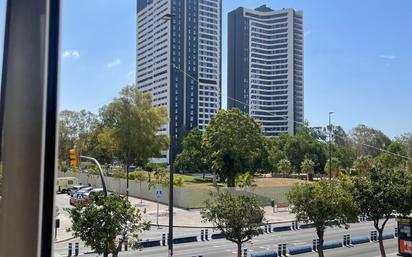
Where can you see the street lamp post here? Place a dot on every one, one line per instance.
(330, 145)
(100, 171)
(169, 18)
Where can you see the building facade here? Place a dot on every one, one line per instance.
(179, 61)
(265, 67)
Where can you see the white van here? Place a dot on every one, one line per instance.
(64, 183)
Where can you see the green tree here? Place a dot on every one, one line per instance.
(75, 131)
(308, 167)
(191, 157)
(295, 150)
(285, 167)
(311, 202)
(104, 220)
(246, 180)
(135, 125)
(305, 144)
(231, 144)
(368, 141)
(409, 166)
(394, 156)
(380, 193)
(345, 155)
(406, 140)
(105, 146)
(239, 218)
(275, 152)
(340, 138)
(160, 177)
(363, 164)
(336, 167)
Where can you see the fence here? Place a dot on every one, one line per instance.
(187, 198)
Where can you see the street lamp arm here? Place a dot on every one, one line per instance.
(100, 171)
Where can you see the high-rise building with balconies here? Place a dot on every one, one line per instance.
(191, 44)
(265, 67)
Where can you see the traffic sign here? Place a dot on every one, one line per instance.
(159, 194)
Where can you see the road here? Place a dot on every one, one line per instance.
(223, 248)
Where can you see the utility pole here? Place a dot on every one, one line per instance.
(330, 145)
(169, 18)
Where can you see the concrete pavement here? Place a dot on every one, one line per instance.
(182, 217)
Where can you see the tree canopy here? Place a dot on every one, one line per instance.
(75, 131)
(368, 141)
(380, 193)
(104, 220)
(231, 144)
(284, 167)
(311, 202)
(192, 157)
(134, 126)
(306, 144)
(307, 166)
(394, 156)
(239, 218)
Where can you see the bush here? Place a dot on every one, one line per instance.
(132, 175)
(178, 181)
(155, 166)
(74, 170)
(139, 175)
(119, 173)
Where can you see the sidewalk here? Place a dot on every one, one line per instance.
(182, 217)
(192, 217)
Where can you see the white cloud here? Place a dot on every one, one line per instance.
(307, 32)
(387, 57)
(71, 54)
(113, 63)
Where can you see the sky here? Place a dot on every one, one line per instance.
(358, 57)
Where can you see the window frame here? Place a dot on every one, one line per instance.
(28, 123)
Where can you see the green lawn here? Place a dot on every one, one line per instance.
(199, 182)
(193, 179)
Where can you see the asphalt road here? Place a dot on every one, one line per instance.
(223, 248)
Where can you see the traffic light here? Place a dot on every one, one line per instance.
(74, 158)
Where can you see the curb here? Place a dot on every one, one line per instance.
(63, 240)
(210, 227)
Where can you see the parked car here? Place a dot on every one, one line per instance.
(80, 195)
(89, 195)
(64, 183)
(94, 191)
(72, 190)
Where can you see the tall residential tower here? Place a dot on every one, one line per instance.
(265, 67)
(191, 49)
